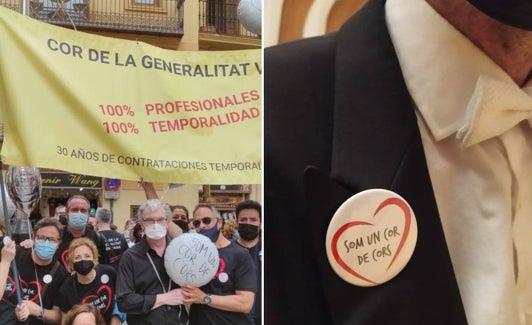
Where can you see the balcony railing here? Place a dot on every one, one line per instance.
(221, 17)
(145, 16)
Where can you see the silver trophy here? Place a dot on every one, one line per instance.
(24, 187)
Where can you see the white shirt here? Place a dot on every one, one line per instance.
(483, 192)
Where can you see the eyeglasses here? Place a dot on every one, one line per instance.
(205, 220)
(50, 239)
(152, 221)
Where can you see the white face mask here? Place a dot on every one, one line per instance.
(155, 231)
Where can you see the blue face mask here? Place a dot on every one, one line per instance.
(77, 221)
(212, 233)
(45, 249)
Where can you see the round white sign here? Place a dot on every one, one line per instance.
(371, 237)
(191, 259)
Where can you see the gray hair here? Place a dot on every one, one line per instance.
(153, 205)
(208, 206)
(103, 215)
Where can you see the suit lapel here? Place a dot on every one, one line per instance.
(371, 102)
(376, 144)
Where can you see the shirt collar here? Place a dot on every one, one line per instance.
(145, 247)
(440, 65)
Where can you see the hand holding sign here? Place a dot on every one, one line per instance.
(191, 259)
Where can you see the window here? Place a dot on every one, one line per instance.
(145, 2)
(147, 5)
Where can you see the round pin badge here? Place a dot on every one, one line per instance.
(223, 277)
(371, 237)
(47, 278)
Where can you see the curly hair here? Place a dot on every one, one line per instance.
(228, 229)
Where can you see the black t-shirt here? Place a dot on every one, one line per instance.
(115, 245)
(100, 292)
(50, 278)
(256, 256)
(236, 272)
(62, 251)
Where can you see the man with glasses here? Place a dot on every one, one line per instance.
(228, 298)
(144, 291)
(40, 275)
(60, 214)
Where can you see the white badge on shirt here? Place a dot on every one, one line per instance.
(371, 237)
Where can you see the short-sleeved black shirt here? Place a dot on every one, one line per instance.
(115, 244)
(100, 292)
(49, 276)
(236, 272)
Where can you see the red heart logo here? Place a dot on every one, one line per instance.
(387, 202)
(32, 287)
(221, 269)
(103, 293)
(64, 256)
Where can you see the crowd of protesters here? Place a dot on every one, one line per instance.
(70, 271)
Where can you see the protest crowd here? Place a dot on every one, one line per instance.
(73, 270)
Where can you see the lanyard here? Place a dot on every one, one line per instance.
(159, 277)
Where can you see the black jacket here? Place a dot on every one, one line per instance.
(339, 103)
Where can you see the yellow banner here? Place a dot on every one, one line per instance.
(122, 109)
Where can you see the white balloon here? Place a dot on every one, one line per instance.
(191, 259)
(250, 15)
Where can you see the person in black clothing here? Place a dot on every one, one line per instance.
(389, 102)
(137, 233)
(228, 297)
(78, 215)
(145, 292)
(60, 214)
(248, 218)
(115, 242)
(90, 282)
(40, 277)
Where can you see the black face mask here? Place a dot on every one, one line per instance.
(63, 220)
(247, 231)
(83, 267)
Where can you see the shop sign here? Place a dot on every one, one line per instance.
(69, 180)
